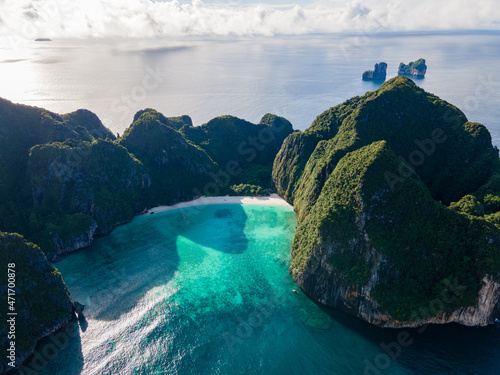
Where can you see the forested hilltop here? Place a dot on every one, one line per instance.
(65, 179)
(398, 199)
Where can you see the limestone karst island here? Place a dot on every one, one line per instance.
(415, 68)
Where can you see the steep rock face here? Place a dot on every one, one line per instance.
(290, 162)
(415, 68)
(179, 169)
(366, 180)
(77, 240)
(378, 74)
(43, 304)
(22, 127)
(92, 186)
(351, 252)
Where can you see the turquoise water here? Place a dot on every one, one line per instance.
(207, 291)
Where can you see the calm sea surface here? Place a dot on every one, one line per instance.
(296, 77)
(207, 291)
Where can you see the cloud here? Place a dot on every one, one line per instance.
(31, 19)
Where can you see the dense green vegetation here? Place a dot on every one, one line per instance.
(173, 122)
(398, 173)
(22, 127)
(247, 190)
(84, 121)
(243, 151)
(42, 300)
(415, 68)
(452, 156)
(80, 187)
(179, 170)
(378, 171)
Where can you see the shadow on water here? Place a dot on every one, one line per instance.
(113, 275)
(433, 349)
(371, 85)
(60, 353)
(82, 320)
(226, 232)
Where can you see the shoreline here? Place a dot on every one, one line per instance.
(272, 200)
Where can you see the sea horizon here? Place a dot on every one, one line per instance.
(247, 77)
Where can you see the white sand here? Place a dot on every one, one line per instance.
(272, 200)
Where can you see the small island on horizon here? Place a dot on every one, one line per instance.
(378, 74)
(416, 69)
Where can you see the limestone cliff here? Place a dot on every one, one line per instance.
(21, 128)
(92, 186)
(65, 178)
(378, 74)
(42, 302)
(179, 169)
(415, 68)
(374, 239)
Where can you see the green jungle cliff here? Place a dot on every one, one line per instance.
(397, 197)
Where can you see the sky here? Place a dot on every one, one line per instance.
(31, 19)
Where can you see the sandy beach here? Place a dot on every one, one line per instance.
(272, 200)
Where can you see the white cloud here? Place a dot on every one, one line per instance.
(147, 18)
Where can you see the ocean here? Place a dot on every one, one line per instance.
(297, 77)
(207, 291)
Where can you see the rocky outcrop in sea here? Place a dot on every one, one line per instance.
(415, 68)
(378, 74)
